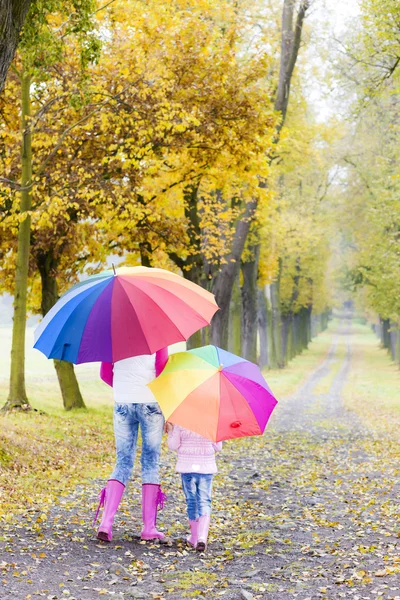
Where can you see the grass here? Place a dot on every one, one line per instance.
(284, 382)
(186, 580)
(372, 388)
(44, 455)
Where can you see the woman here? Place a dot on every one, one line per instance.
(135, 406)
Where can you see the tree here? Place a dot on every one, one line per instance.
(373, 224)
(376, 47)
(41, 46)
(202, 134)
(291, 34)
(369, 204)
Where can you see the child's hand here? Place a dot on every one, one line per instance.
(168, 427)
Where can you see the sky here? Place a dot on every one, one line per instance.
(343, 11)
(329, 21)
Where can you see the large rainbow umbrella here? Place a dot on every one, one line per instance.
(214, 393)
(121, 313)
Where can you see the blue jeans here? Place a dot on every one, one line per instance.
(197, 488)
(127, 418)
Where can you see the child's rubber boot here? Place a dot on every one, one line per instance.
(110, 497)
(152, 499)
(202, 533)
(192, 538)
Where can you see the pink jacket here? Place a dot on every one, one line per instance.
(196, 454)
(106, 368)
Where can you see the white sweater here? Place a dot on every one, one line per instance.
(131, 377)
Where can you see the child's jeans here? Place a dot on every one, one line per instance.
(197, 488)
(127, 418)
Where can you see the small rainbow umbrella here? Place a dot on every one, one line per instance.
(214, 393)
(121, 313)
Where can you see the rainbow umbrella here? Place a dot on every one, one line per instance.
(121, 313)
(214, 393)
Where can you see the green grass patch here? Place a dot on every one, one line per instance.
(373, 385)
(284, 382)
(43, 457)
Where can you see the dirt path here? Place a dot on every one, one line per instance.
(308, 511)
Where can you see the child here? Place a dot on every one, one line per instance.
(196, 463)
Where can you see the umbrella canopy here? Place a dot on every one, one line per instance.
(214, 393)
(122, 313)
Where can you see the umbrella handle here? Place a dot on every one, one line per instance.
(63, 351)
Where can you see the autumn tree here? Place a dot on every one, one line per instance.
(43, 41)
(292, 21)
(182, 144)
(64, 233)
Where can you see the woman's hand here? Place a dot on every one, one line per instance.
(168, 427)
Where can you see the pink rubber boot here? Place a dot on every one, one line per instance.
(152, 498)
(110, 497)
(202, 533)
(192, 538)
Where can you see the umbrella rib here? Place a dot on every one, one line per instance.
(255, 383)
(77, 307)
(134, 310)
(233, 405)
(63, 301)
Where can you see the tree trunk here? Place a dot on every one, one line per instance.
(290, 45)
(224, 281)
(385, 333)
(325, 320)
(145, 250)
(234, 343)
(285, 339)
(291, 334)
(12, 18)
(249, 306)
(194, 275)
(295, 336)
(303, 329)
(289, 353)
(398, 345)
(309, 327)
(17, 397)
(263, 329)
(193, 267)
(276, 326)
(392, 338)
(71, 394)
(69, 386)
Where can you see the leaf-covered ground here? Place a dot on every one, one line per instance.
(308, 511)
